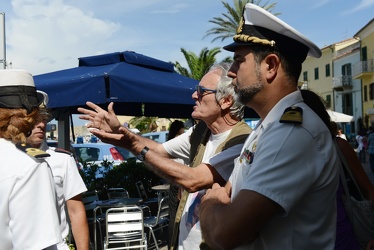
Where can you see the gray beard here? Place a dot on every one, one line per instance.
(245, 95)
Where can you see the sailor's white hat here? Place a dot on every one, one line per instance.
(259, 26)
(17, 90)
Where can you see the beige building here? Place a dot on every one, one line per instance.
(364, 70)
(344, 77)
(317, 73)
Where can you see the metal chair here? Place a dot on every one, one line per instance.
(114, 193)
(141, 190)
(159, 221)
(124, 228)
(143, 194)
(88, 199)
(147, 202)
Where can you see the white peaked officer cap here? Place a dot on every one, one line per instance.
(17, 90)
(259, 26)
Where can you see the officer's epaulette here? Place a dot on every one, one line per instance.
(34, 152)
(61, 150)
(292, 115)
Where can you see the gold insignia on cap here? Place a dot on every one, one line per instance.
(292, 115)
(253, 39)
(34, 152)
(239, 30)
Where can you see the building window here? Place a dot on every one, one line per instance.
(347, 70)
(327, 70)
(371, 91)
(364, 53)
(316, 76)
(328, 101)
(305, 76)
(365, 93)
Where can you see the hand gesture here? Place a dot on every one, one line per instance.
(100, 119)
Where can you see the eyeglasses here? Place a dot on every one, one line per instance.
(201, 90)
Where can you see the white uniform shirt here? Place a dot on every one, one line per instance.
(68, 182)
(297, 167)
(28, 215)
(223, 162)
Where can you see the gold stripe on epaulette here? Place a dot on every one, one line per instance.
(292, 115)
(34, 152)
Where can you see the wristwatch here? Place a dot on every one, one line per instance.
(141, 155)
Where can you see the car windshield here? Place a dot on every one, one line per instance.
(87, 153)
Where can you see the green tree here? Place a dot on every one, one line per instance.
(225, 26)
(198, 65)
(144, 124)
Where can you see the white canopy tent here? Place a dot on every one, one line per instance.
(339, 117)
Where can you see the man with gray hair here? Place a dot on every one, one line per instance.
(209, 147)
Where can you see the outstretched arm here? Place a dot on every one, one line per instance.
(191, 179)
(107, 127)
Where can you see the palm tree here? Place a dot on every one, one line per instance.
(198, 64)
(226, 26)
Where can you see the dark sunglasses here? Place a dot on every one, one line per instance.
(201, 90)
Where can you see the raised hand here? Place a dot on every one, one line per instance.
(100, 119)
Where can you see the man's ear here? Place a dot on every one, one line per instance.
(272, 64)
(226, 102)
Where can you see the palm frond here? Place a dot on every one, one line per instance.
(226, 25)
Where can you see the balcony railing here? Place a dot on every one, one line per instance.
(363, 67)
(342, 82)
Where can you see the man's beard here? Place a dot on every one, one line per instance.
(245, 95)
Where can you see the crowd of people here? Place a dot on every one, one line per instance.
(276, 187)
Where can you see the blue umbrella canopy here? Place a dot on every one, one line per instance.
(139, 85)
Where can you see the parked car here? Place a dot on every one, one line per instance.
(159, 137)
(96, 153)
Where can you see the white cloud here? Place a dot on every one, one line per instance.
(364, 4)
(48, 35)
(172, 9)
(319, 3)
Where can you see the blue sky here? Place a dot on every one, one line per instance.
(48, 35)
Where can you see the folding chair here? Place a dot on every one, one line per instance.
(124, 228)
(114, 193)
(159, 221)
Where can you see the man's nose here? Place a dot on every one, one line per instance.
(195, 96)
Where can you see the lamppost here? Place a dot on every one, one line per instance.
(3, 40)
